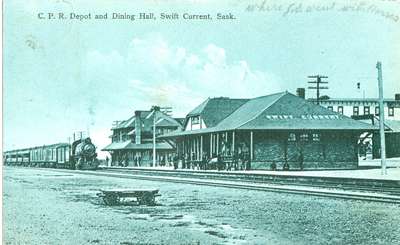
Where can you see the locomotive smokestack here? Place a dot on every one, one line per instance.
(138, 128)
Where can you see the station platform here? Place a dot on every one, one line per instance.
(390, 162)
(369, 169)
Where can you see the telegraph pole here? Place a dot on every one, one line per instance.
(166, 110)
(318, 83)
(381, 119)
(154, 139)
(154, 110)
(115, 123)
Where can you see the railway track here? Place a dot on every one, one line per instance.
(246, 178)
(299, 190)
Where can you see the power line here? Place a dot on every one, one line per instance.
(318, 83)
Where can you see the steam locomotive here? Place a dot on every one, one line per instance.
(81, 154)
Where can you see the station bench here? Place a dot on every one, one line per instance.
(142, 196)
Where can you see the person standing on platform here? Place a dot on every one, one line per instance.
(175, 161)
(234, 161)
(247, 161)
(301, 159)
(139, 160)
(185, 161)
(219, 162)
(126, 162)
(192, 161)
(204, 161)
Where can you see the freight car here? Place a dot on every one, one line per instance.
(81, 154)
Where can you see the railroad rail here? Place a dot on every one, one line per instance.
(319, 191)
(391, 187)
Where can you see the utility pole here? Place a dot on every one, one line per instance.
(154, 110)
(166, 110)
(318, 86)
(115, 124)
(381, 119)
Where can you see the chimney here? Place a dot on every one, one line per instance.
(397, 96)
(301, 92)
(138, 128)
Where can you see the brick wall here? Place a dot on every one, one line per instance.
(269, 149)
(333, 151)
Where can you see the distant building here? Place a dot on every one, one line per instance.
(367, 110)
(360, 107)
(270, 131)
(132, 140)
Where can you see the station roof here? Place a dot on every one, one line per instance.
(393, 125)
(214, 110)
(130, 122)
(280, 111)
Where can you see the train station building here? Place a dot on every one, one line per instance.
(132, 140)
(267, 132)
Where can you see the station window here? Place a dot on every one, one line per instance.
(340, 109)
(355, 110)
(292, 137)
(391, 111)
(330, 108)
(377, 110)
(303, 137)
(366, 110)
(196, 120)
(316, 137)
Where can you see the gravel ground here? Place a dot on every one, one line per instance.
(49, 207)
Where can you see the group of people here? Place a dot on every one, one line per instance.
(239, 161)
(123, 160)
(217, 162)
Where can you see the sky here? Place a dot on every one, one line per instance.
(67, 75)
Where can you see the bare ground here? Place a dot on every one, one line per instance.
(49, 207)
